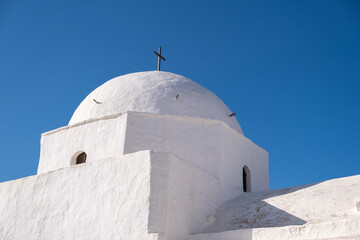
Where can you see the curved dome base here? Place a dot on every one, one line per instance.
(153, 92)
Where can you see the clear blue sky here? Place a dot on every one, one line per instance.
(290, 69)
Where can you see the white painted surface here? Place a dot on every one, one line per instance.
(195, 128)
(99, 139)
(357, 203)
(186, 195)
(210, 145)
(318, 211)
(190, 188)
(236, 152)
(121, 193)
(343, 229)
(153, 92)
(144, 195)
(102, 200)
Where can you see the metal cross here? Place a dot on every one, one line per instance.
(159, 57)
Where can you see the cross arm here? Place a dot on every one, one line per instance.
(157, 54)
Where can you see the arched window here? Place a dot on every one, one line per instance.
(81, 158)
(246, 179)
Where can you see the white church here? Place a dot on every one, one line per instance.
(155, 156)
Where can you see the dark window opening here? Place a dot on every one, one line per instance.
(81, 158)
(246, 179)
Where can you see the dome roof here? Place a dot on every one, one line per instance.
(153, 92)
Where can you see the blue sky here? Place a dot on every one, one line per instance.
(290, 69)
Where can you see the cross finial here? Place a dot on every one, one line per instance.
(159, 57)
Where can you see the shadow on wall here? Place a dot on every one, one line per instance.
(249, 210)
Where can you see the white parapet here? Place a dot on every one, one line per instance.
(210, 145)
(144, 195)
(80, 202)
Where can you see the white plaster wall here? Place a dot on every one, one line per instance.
(144, 195)
(206, 171)
(95, 200)
(345, 229)
(197, 141)
(181, 198)
(209, 145)
(192, 196)
(236, 152)
(101, 138)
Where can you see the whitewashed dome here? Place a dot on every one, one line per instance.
(153, 92)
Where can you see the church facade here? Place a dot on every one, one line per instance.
(154, 155)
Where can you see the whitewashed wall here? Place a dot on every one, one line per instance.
(144, 195)
(209, 145)
(100, 139)
(200, 169)
(236, 152)
(182, 196)
(194, 140)
(100, 200)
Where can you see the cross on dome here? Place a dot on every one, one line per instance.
(159, 58)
